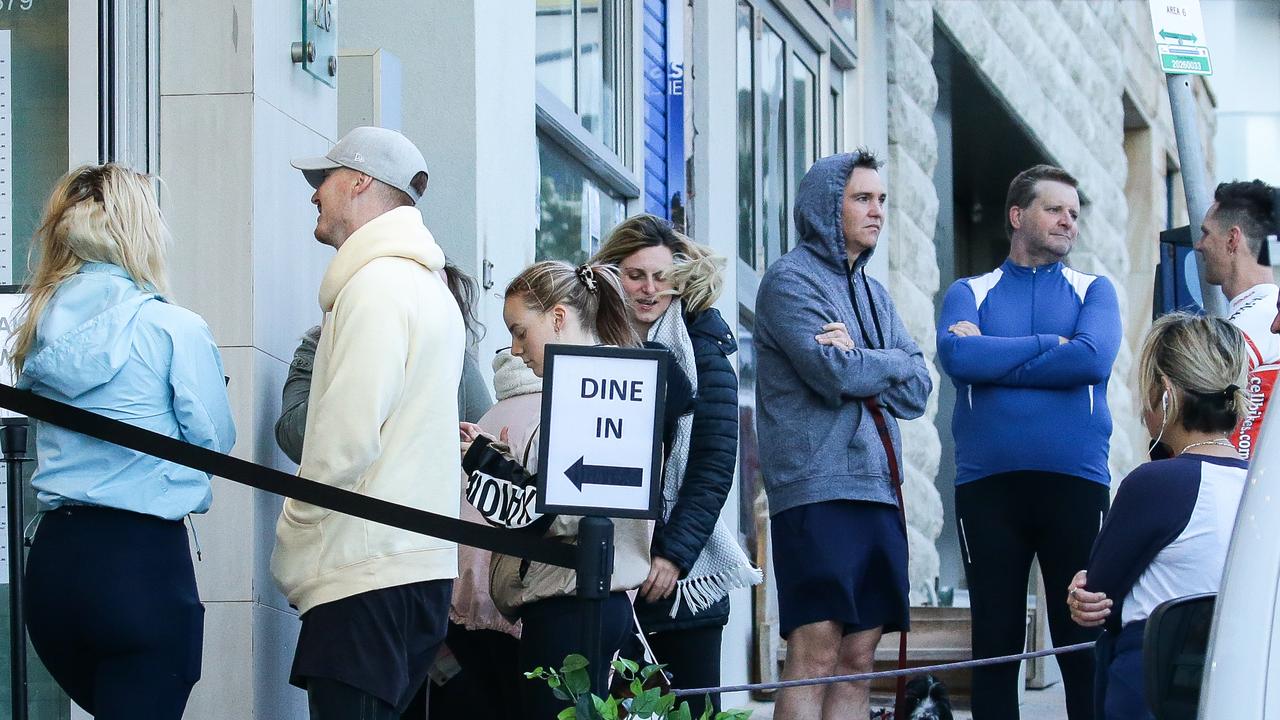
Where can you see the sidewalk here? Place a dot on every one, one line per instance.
(1047, 704)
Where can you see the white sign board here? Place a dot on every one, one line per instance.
(6, 158)
(9, 303)
(600, 446)
(1180, 41)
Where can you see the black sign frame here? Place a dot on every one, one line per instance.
(662, 357)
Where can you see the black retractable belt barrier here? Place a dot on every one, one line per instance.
(13, 443)
(282, 483)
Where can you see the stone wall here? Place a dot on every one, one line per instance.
(1068, 95)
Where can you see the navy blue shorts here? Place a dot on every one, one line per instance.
(381, 642)
(843, 561)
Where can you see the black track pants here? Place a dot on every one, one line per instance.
(1004, 521)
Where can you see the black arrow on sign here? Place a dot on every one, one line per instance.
(582, 474)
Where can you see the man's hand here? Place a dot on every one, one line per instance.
(1088, 609)
(663, 575)
(835, 334)
(964, 328)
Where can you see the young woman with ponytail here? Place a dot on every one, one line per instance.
(553, 302)
(671, 284)
(112, 605)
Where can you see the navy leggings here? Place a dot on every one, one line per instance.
(113, 612)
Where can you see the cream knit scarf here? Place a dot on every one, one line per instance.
(722, 566)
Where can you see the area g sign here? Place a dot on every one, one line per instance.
(1180, 41)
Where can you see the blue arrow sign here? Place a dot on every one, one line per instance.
(582, 474)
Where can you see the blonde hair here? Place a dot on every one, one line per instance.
(593, 291)
(1205, 360)
(96, 213)
(697, 275)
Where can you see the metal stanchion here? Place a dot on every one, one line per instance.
(595, 574)
(13, 445)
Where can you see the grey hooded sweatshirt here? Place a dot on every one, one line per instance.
(817, 441)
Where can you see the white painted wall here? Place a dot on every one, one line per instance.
(714, 221)
(234, 109)
(468, 103)
(1244, 45)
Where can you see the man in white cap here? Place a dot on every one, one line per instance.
(382, 421)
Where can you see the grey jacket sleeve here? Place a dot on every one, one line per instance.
(792, 311)
(906, 399)
(473, 392)
(293, 401)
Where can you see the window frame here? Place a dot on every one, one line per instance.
(563, 124)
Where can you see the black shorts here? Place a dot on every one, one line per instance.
(381, 642)
(842, 561)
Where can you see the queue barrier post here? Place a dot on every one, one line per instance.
(13, 445)
(595, 574)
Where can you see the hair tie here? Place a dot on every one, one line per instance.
(587, 276)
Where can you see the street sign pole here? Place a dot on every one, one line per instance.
(1178, 29)
(1194, 183)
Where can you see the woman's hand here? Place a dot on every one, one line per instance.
(467, 434)
(1088, 609)
(663, 575)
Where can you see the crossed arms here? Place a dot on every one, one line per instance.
(1040, 361)
(819, 349)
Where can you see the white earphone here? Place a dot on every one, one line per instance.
(1164, 419)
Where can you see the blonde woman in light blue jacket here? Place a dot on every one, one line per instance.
(112, 605)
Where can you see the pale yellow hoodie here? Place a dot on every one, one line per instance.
(382, 418)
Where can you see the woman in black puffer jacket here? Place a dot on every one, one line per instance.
(671, 283)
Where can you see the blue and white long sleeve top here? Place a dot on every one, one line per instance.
(1024, 399)
(1166, 535)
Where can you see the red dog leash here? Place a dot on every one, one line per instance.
(882, 427)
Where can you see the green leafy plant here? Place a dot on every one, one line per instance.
(572, 684)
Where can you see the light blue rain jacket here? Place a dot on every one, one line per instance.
(106, 346)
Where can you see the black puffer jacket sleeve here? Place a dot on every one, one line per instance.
(713, 447)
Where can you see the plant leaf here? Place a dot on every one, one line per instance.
(574, 662)
(586, 708)
(568, 714)
(577, 681)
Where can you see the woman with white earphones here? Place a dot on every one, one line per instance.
(1167, 532)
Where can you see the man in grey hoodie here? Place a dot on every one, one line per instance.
(834, 361)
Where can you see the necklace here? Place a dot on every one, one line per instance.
(1223, 442)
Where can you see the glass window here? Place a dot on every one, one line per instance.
(33, 122)
(804, 121)
(773, 155)
(574, 210)
(554, 39)
(835, 121)
(846, 16)
(747, 249)
(597, 89)
(581, 52)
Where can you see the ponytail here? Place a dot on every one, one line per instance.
(593, 291)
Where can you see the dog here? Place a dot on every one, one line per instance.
(927, 699)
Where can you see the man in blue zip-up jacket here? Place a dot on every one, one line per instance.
(1029, 347)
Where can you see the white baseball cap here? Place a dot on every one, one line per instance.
(382, 154)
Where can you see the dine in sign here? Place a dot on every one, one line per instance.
(600, 448)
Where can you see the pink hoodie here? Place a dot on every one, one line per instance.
(519, 407)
